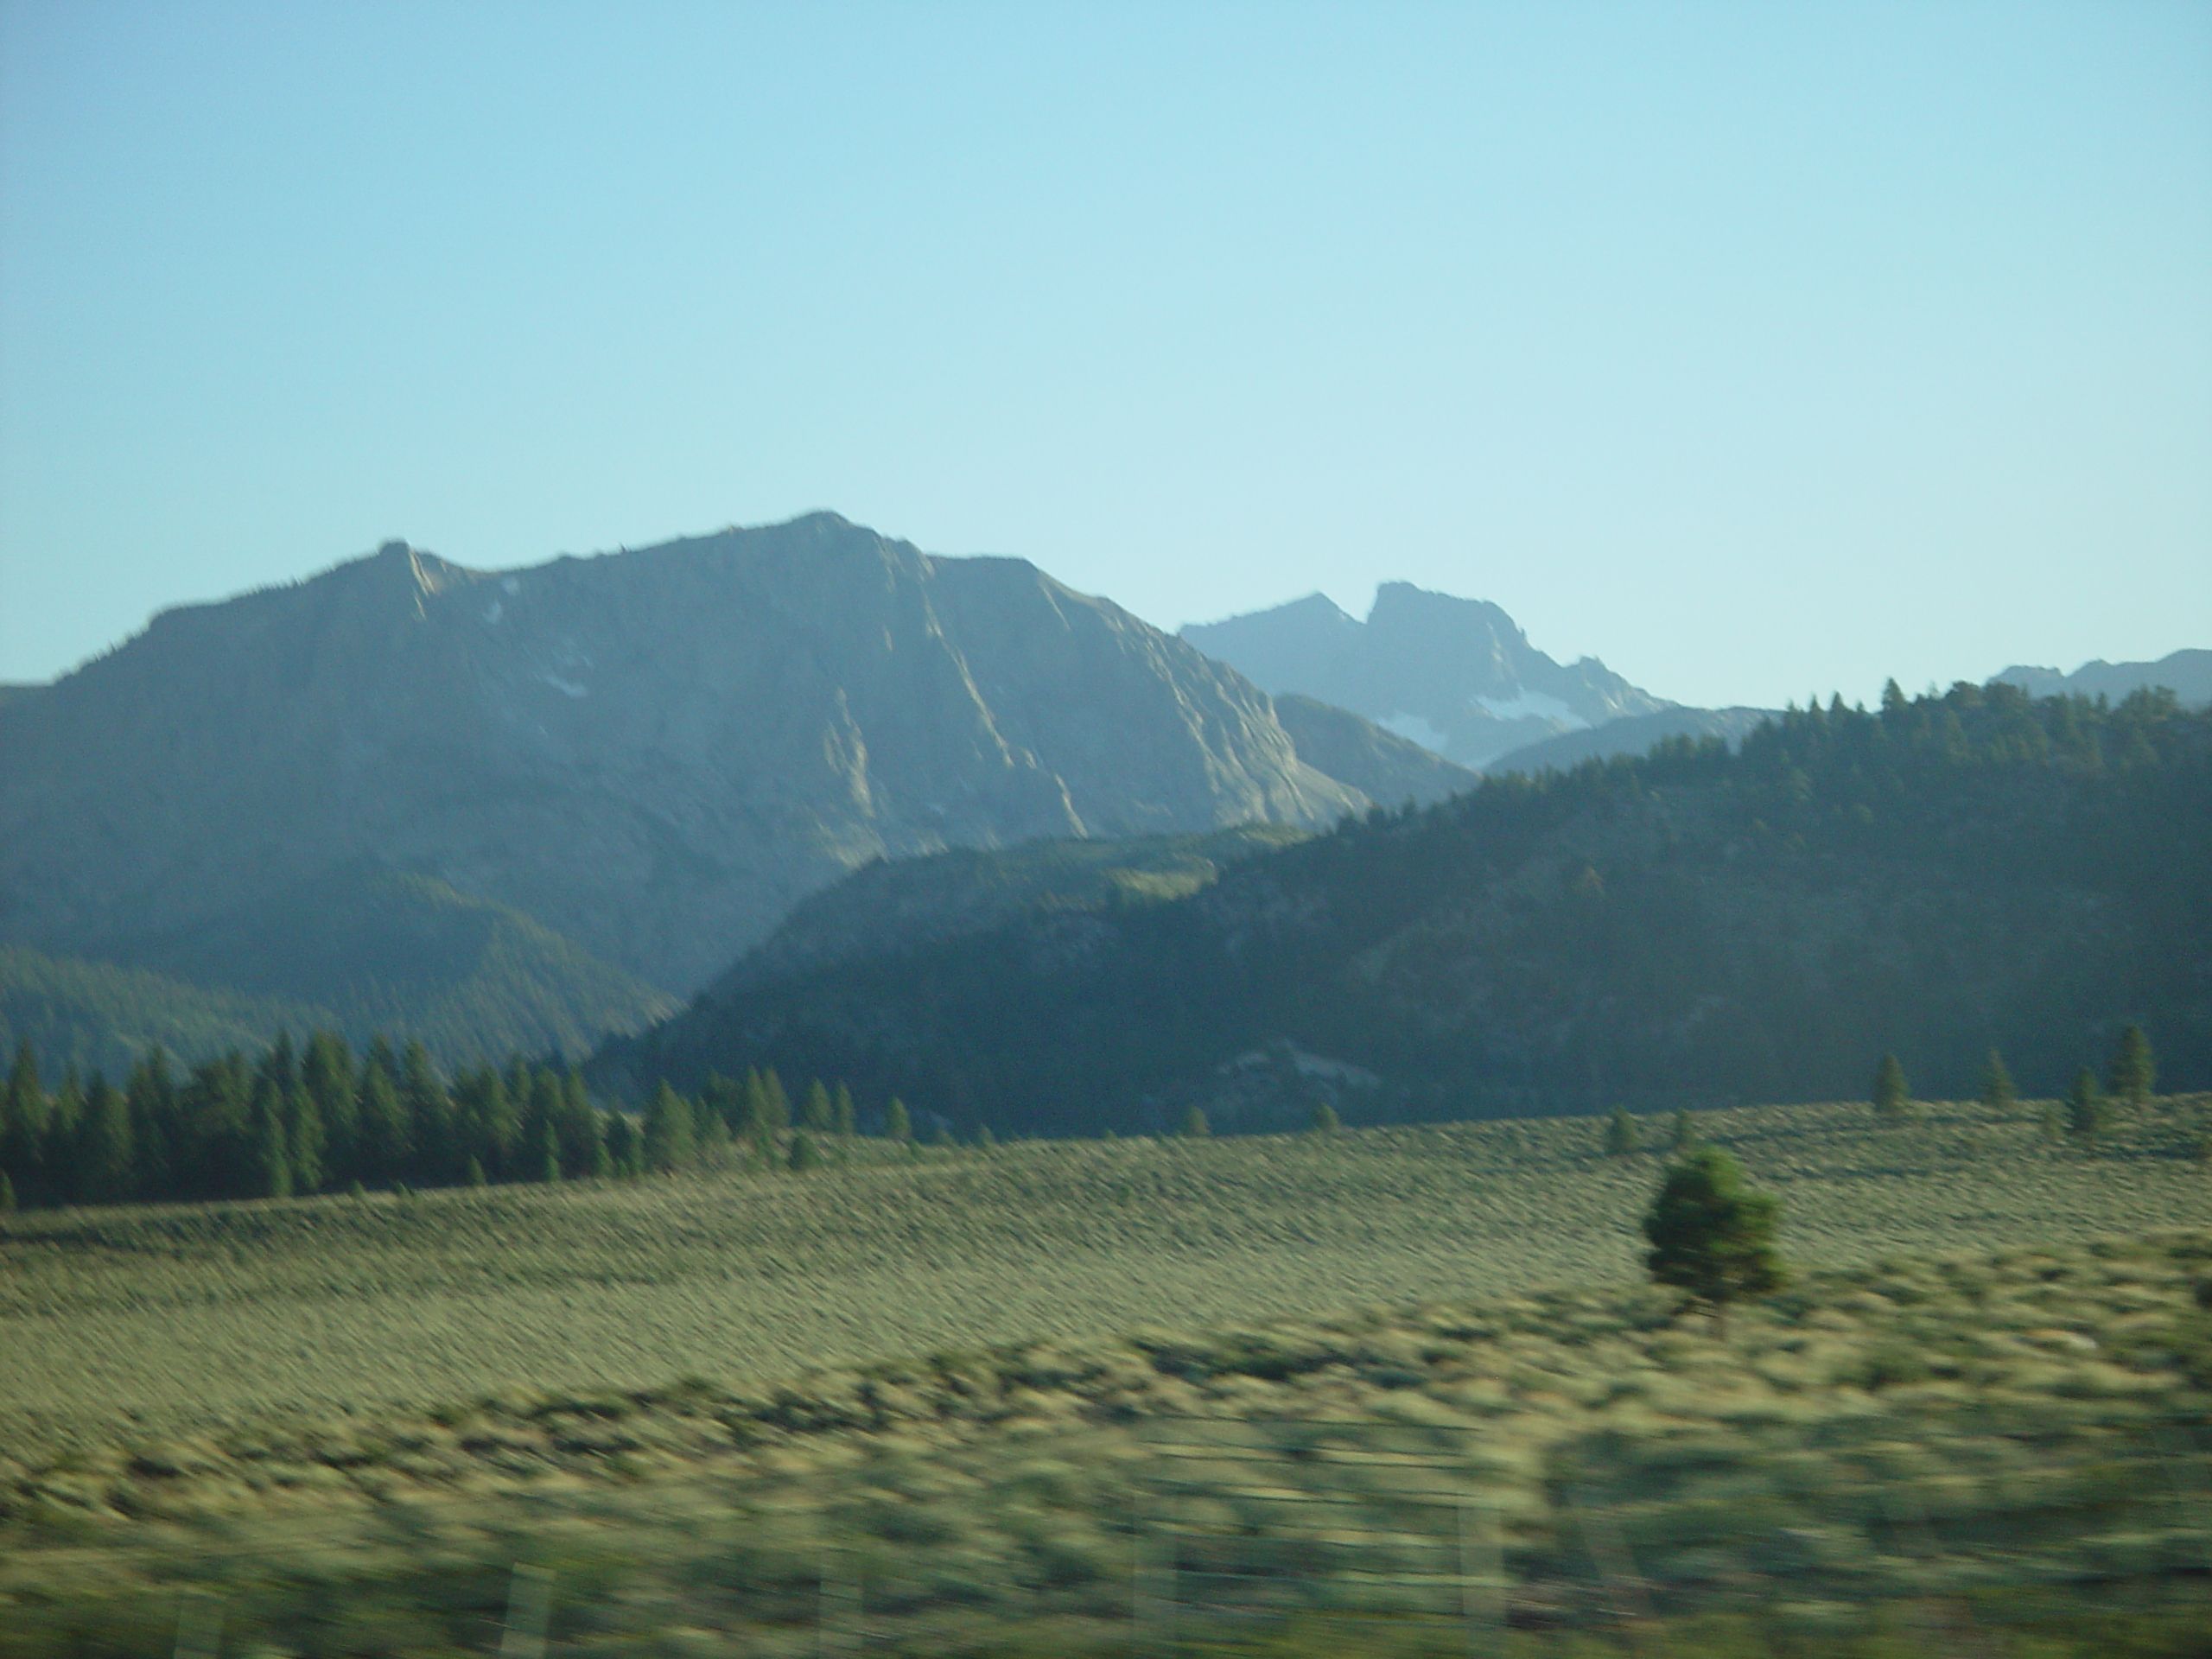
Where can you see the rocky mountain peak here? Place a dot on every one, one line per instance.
(1458, 676)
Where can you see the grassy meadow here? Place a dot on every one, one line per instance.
(347, 1419)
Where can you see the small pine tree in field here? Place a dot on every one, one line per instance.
(1891, 1096)
(473, 1173)
(549, 1155)
(2134, 1073)
(816, 1111)
(1683, 1135)
(2050, 1123)
(717, 1150)
(1997, 1091)
(622, 1144)
(803, 1156)
(1194, 1125)
(942, 1136)
(841, 1113)
(985, 1140)
(1323, 1120)
(2087, 1110)
(1711, 1236)
(1621, 1137)
(897, 1123)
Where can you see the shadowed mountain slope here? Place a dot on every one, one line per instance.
(653, 754)
(1689, 928)
(2187, 674)
(1631, 734)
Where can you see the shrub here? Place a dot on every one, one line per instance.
(1621, 1137)
(1891, 1095)
(1711, 1236)
(1323, 1119)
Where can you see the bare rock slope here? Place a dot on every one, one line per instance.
(654, 753)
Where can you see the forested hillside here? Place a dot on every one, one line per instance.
(1947, 875)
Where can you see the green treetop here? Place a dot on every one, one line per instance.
(2088, 1112)
(2133, 1072)
(1891, 1092)
(1621, 1137)
(1711, 1236)
(1997, 1091)
(897, 1123)
(668, 1132)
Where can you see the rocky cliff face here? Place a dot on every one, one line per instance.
(1455, 675)
(655, 753)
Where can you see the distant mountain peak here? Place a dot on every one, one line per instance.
(1456, 675)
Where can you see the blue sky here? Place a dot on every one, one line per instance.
(1756, 349)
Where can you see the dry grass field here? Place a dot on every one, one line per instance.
(192, 1316)
(1980, 1405)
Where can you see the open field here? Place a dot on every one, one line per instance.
(187, 1318)
(1999, 1455)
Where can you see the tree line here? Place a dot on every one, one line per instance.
(317, 1117)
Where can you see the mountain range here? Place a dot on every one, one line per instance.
(1700, 926)
(600, 779)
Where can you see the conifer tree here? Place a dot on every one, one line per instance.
(803, 1156)
(432, 1156)
(602, 1157)
(22, 1119)
(1621, 1137)
(816, 1112)
(150, 1095)
(1683, 1135)
(622, 1148)
(105, 1173)
(725, 1098)
(2087, 1111)
(668, 1132)
(272, 1165)
(580, 1128)
(327, 1074)
(985, 1140)
(1194, 1126)
(942, 1135)
(716, 1150)
(777, 1105)
(1997, 1091)
(472, 1172)
(65, 1122)
(546, 1160)
(1890, 1094)
(1711, 1238)
(381, 1147)
(2133, 1072)
(1323, 1119)
(841, 1113)
(897, 1123)
(7, 1194)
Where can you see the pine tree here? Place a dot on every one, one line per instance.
(622, 1149)
(546, 1160)
(65, 1122)
(579, 1126)
(817, 1113)
(669, 1142)
(1194, 1126)
(381, 1147)
(105, 1172)
(942, 1135)
(2087, 1110)
(272, 1165)
(22, 1120)
(841, 1113)
(1683, 1135)
(1711, 1236)
(1323, 1119)
(1997, 1091)
(327, 1073)
(725, 1098)
(150, 1096)
(472, 1172)
(985, 1140)
(1621, 1135)
(1890, 1092)
(898, 1124)
(7, 1194)
(2134, 1073)
(716, 1150)
(776, 1105)
(803, 1157)
(432, 1157)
